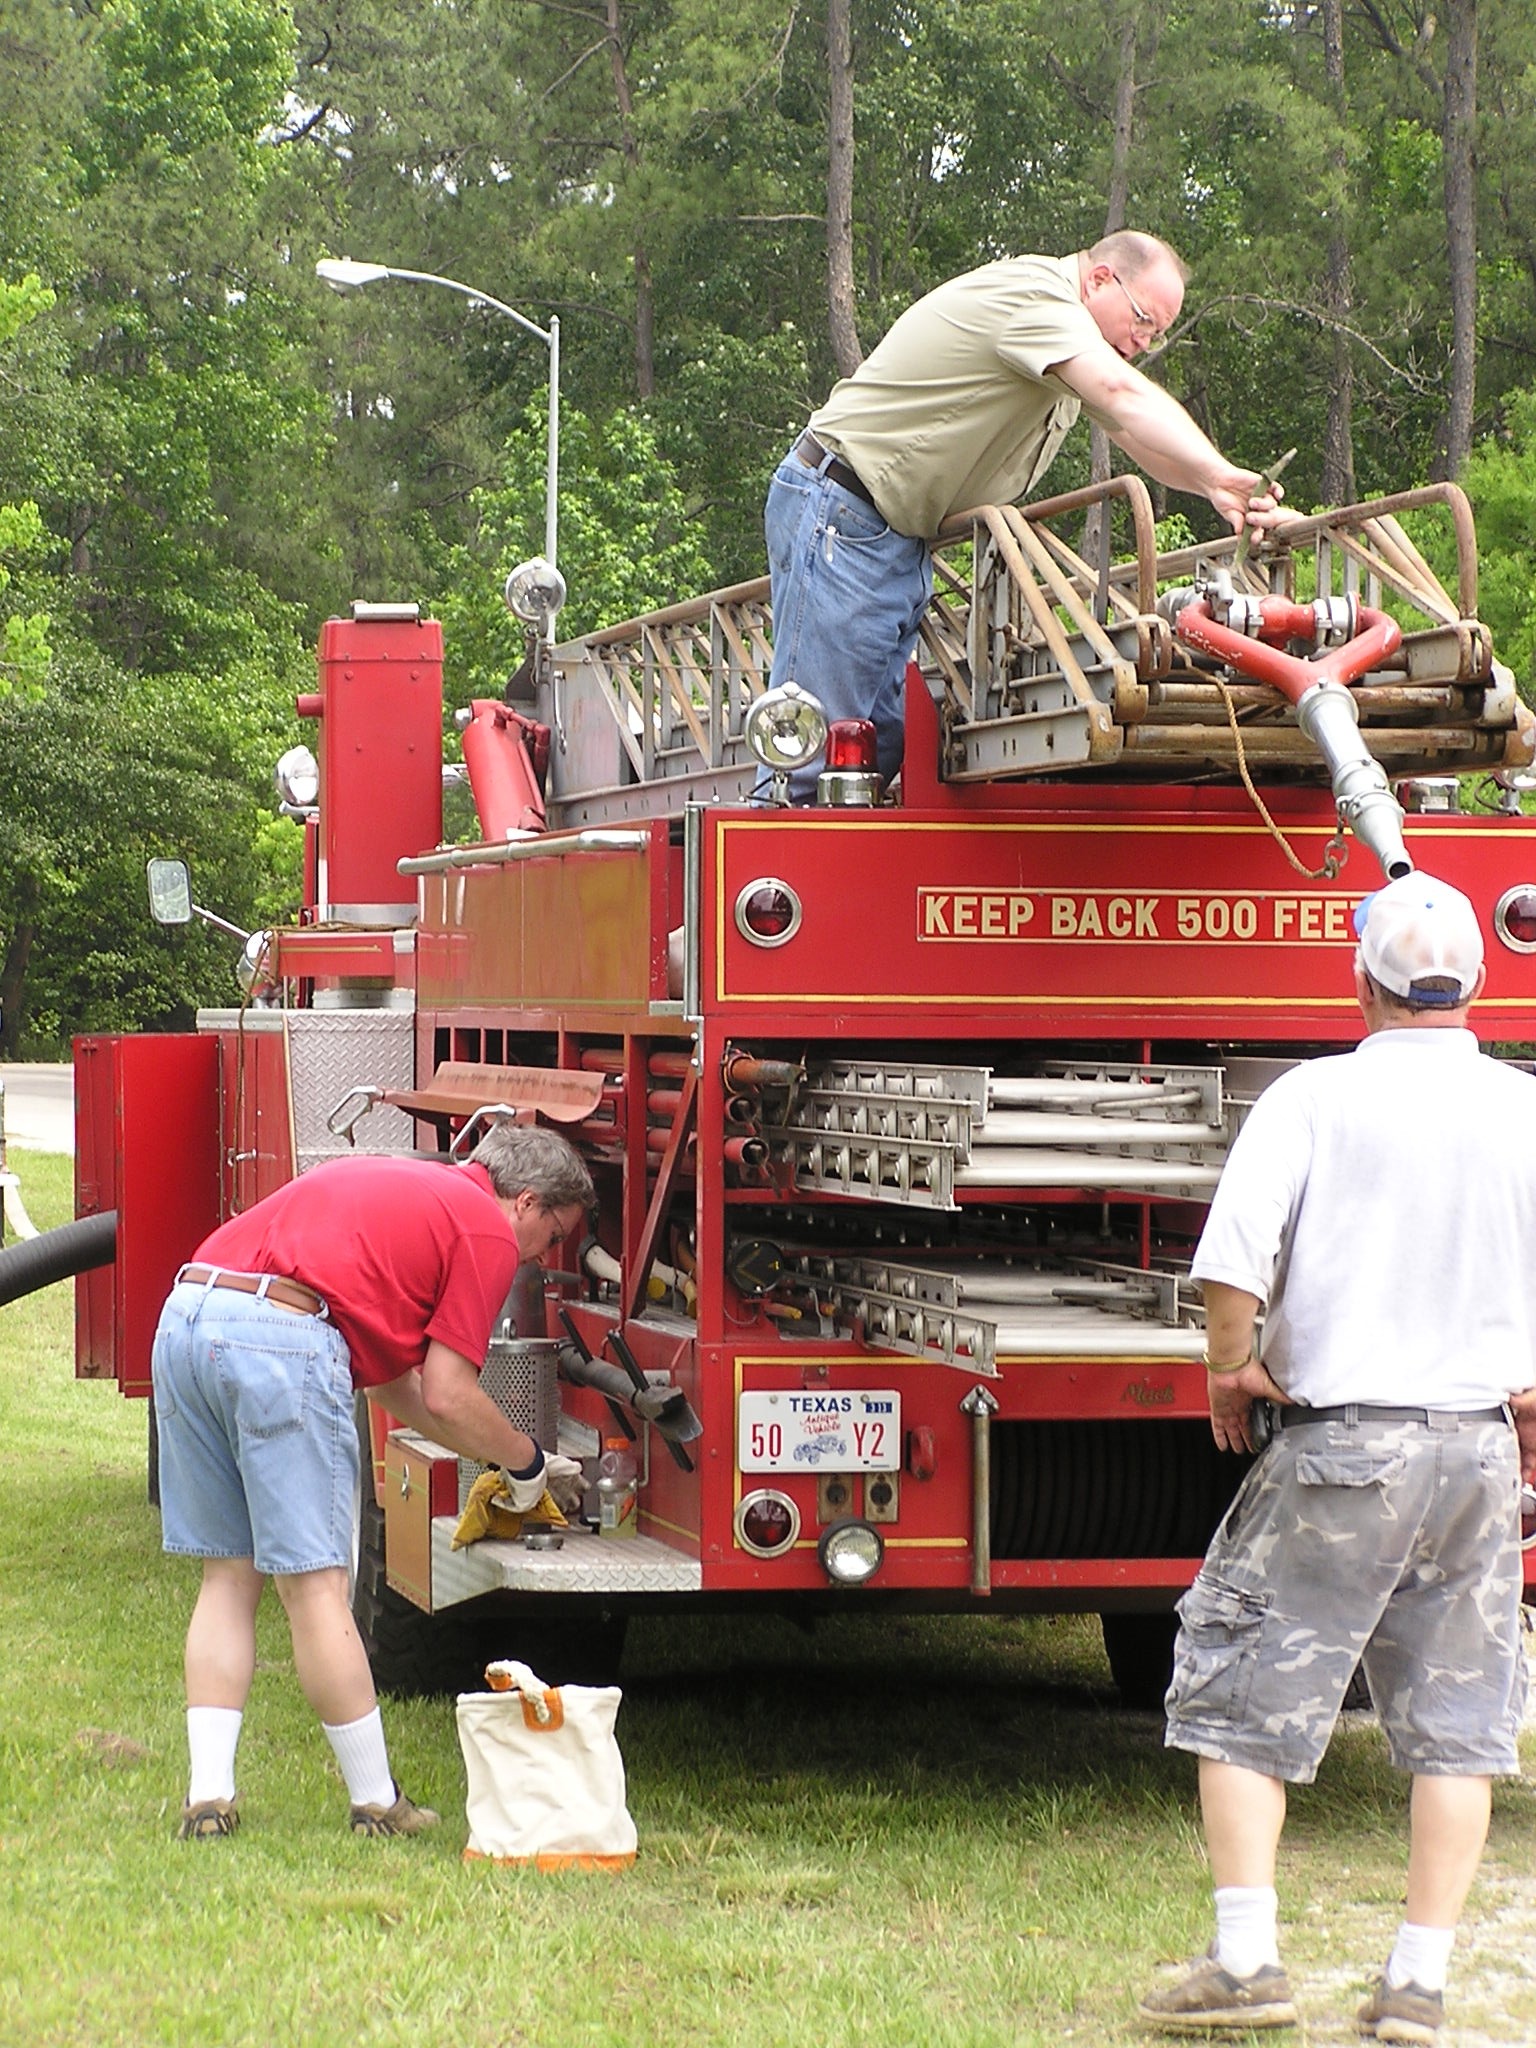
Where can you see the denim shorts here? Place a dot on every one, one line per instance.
(1395, 1547)
(259, 1452)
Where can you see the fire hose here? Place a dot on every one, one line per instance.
(73, 1248)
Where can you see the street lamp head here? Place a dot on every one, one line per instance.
(342, 275)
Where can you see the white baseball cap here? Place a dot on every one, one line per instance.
(1418, 930)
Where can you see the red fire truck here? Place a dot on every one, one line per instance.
(902, 1107)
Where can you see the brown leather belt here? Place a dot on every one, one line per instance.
(810, 451)
(286, 1293)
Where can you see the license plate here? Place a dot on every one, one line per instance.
(819, 1432)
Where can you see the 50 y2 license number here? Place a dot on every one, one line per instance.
(826, 1431)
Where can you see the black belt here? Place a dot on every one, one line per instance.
(810, 451)
(1363, 1411)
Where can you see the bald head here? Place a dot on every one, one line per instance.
(1133, 288)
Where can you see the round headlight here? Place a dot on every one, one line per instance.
(297, 776)
(851, 1552)
(767, 1523)
(786, 728)
(534, 592)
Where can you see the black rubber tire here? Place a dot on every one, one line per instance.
(153, 1462)
(1140, 1652)
(417, 1655)
(1357, 1694)
(569, 1648)
(414, 1655)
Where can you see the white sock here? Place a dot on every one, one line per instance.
(1422, 1956)
(212, 1734)
(364, 1760)
(1245, 1928)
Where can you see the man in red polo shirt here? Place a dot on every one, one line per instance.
(386, 1274)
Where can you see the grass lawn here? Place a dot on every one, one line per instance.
(883, 1834)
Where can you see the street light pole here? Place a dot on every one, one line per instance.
(342, 275)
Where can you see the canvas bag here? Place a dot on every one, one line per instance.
(546, 1780)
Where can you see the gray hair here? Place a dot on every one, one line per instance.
(519, 1156)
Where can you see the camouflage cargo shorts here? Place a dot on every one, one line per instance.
(1395, 1546)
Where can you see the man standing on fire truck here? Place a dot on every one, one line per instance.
(965, 402)
(1383, 1204)
(380, 1273)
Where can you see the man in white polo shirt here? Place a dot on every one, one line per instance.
(965, 402)
(1382, 1203)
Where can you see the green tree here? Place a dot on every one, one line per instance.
(626, 544)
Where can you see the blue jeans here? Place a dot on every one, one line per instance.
(259, 1455)
(848, 595)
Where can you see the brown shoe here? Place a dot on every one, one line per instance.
(207, 1820)
(1401, 2012)
(1206, 1999)
(403, 1818)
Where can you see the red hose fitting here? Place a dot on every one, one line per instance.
(1379, 636)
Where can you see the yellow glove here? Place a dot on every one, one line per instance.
(487, 1515)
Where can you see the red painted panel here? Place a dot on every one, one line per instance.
(585, 928)
(95, 1195)
(1122, 911)
(148, 1132)
(381, 752)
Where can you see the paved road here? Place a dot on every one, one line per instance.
(39, 1107)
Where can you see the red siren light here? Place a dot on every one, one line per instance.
(851, 744)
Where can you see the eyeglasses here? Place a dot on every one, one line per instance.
(1150, 331)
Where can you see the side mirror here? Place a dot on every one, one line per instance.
(170, 892)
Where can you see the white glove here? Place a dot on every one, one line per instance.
(561, 1476)
(566, 1482)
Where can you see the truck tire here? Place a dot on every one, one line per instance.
(153, 1464)
(1140, 1652)
(414, 1655)
(417, 1655)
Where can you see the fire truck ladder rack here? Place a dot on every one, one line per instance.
(1045, 661)
(887, 1134)
(916, 1137)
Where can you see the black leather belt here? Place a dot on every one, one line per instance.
(810, 451)
(1362, 1411)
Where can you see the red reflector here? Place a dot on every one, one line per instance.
(851, 744)
(1515, 918)
(767, 912)
(768, 1523)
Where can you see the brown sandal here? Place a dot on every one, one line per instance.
(207, 1820)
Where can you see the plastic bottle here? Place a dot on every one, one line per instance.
(618, 1489)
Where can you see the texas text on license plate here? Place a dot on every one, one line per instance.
(825, 1431)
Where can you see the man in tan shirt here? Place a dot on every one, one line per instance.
(965, 402)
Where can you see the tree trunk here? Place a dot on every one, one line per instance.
(841, 321)
(645, 292)
(13, 973)
(1338, 479)
(1123, 132)
(1458, 142)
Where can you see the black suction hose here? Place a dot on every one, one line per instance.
(56, 1254)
